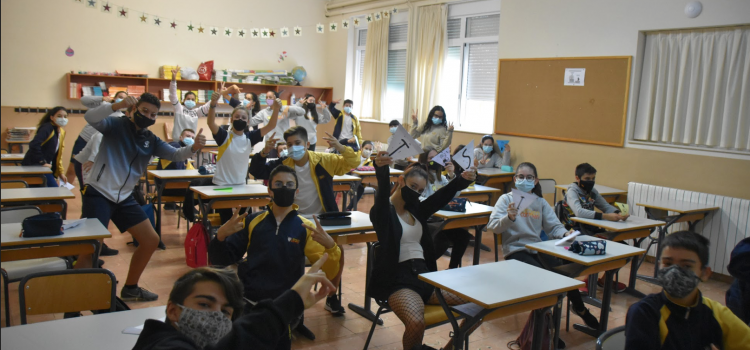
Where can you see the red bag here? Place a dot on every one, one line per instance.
(524, 340)
(196, 246)
(205, 69)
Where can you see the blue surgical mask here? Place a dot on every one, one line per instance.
(118, 100)
(487, 149)
(298, 152)
(188, 141)
(437, 121)
(525, 185)
(245, 102)
(348, 110)
(190, 104)
(393, 129)
(283, 154)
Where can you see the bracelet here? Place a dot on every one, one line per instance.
(211, 106)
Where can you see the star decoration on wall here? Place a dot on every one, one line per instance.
(284, 32)
(377, 16)
(214, 31)
(345, 24)
(395, 10)
(333, 27)
(144, 18)
(386, 14)
(106, 8)
(91, 3)
(319, 28)
(201, 29)
(369, 18)
(272, 33)
(190, 27)
(264, 33)
(123, 12)
(356, 22)
(173, 24)
(157, 22)
(227, 32)
(297, 31)
(241, 33)
(255, 33)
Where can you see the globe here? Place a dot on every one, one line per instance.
(299, 73)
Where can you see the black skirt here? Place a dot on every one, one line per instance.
(407, 277)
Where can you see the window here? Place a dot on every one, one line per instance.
(467, 83)
(359, 58)
(694, 92)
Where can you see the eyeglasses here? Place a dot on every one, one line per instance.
(527, 177)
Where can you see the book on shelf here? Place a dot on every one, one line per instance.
(113, 90)
(74, 91)
(20, 133)
(97, 91)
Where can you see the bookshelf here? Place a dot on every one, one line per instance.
(157, 85)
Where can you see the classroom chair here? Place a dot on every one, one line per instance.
(67, 291)
(14, 271)
(613, 339)
(13, 184)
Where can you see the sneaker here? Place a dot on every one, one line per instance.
(619, 287)
(137, 294)
(305, 332)
(587, 317)
(333, 305)
(107, 251)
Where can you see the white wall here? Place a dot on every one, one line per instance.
(36, 33)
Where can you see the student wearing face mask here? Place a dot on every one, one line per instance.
(436, 132)
(367, 148)
(406, 248)
(185, 114)
(47, 146)
(315, 171)
(124, 154)
(281, 149)
(488, 154)
(680, 316)
(521, 228)
(314, 115)
(205, 311)
(347, 129)
(275, 243)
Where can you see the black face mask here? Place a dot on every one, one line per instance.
(586, 185)
(435, 166)
(141, 120)
(239, 124)
(283, 197)
(411, 197)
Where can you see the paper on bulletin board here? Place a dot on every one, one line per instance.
(575, 76)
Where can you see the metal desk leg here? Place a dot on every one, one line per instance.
(159, 189)
(477, 247)
(556, 317)
(355, 200)
(365, 311)
(635, 264)
(604, 315)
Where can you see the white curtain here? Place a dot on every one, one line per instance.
(695, 89)
(375, 68)
(428, 38)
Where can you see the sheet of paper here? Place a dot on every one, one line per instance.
(402, 145)
(67, 185)
(137, 329)
(465, 157)
(442, 157)
(69, 224)
(522, 199)
(574, 76)
(568, 240)
(501, 144)
(624, 209)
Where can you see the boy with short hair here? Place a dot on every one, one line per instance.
(347, 129)
(680, 317)
(582, 198)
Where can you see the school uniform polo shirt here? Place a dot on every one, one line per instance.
(234, 153)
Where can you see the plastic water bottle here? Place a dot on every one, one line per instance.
(294, 99)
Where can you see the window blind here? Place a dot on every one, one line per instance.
(362, 40)
(481, 71)
(483, 26)
(397, 33)
(454, 28)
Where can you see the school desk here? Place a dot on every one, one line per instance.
(368, 177)
(228, 197)
(172, 179)
(501, 289)
(210, 147)
(17, 143)
(83, 239)
(688, 212)
(615, 257)
(38, 196)
(480, 191)
(610, 194)
(32, 174)
(12, 158)
(495, 177)
(635, 228)
(476, 216)
(103, 331)
(344, 184)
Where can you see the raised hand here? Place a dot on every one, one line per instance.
(107, 99)
(234, 224)
(414, 119)
(270, 143)
(126, 103)
(383, 159)
(450, 126)
(215, 96)
(507, 147)
(305, 284)
(175, 71)
(470, 174)
(200, 141)
(450, 168)
(234, 90)
(333, 142)
(335, 102)
(277, 104)
(512, 211)
(319, 234)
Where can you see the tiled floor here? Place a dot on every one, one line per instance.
(349, 331)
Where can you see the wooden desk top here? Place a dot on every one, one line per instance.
(35, 193)
(603, 190)
(345, 178)
(360, 223)
(614, 251)
(678, 206)
(177, 174)
(24, 170)
(631, 224)
(237, 191)
(372, 172)
(473, 209)
(494, 172)
(17, 141)
(91, 229)
(501, 283)
(211, 143)
(479, 189)
(103, 331)
(12, 156)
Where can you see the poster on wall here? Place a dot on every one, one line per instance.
(574, 76)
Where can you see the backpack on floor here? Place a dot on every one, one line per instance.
(527, 334)
(196, 246)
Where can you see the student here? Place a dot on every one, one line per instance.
(264, 115)
(347, 129)
(281, 149)
(185, 114)
(86, 157)
(312, 118)
(582, 198)
(406, 248)
(367, 148)
(251, 103)
(738, 295)
(276, 242)
(187, 138)
(48, 145)
(126, 149)
(436, 132)
(444, 239)
(489, 154)
(399, 164)
(680, 317)
(520, 229)
(315, 172)
(235, 146)
(205, 311)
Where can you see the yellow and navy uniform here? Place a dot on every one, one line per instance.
(325, 165)
(44, 149)
(656, 322)
(275, 253)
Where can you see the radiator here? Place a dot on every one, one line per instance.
(724, 228)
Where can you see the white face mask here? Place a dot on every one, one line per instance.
(366, 153)
(61, 121)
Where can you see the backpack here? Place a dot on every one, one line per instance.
(196, 246)
(523, 342)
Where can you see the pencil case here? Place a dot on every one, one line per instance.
(42, 225)
(589, 247)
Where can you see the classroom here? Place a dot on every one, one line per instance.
(362, 174)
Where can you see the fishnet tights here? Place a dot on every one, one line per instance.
(409, 308)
